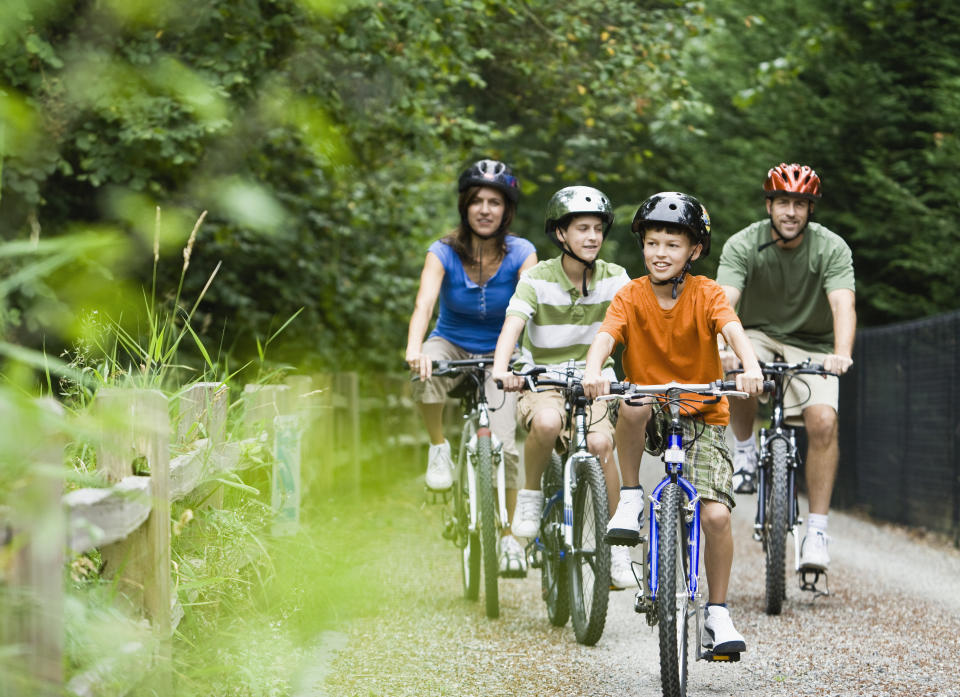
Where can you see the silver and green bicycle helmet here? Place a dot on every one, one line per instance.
(572, 201)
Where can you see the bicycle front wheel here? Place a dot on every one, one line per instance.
(775, 530)
(673, 596)
(488, 525)
(467, 541)
(589, 561)
(553, 572)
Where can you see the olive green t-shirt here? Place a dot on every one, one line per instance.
(784, 291)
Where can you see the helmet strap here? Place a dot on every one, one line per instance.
(778, 236)
(588, 265)
(676, 280)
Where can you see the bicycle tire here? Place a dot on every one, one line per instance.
(553, 572)
(589, 560)
(775, 530)
(467, 542)
(673, 596)
(488, 525)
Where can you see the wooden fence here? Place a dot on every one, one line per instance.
(322, 421)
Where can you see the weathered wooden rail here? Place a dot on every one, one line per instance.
(149, 462)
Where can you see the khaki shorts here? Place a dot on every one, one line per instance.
(707, 465)
(502, 405)
(598, 415)
(803, 390)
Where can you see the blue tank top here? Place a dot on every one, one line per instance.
(471, 316)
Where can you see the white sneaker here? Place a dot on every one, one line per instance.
(813, 551)
(526, 518)
(624, 526)
(621, 568)
(513, 558)
(439, 467)
(745, 470)
(719, 633)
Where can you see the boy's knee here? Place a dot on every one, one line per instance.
(600, 445)
(714, 517)
(546, 422)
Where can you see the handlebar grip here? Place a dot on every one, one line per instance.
(768, 385)
(619, 387)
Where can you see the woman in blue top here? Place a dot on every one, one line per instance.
(473, 271)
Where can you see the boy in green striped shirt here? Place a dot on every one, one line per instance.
(561, 302)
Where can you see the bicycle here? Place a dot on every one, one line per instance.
(671, 551)
(778, 509)
(477, 507)
(569, 549)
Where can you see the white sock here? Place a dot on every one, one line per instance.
(815, 522)
(746, 444)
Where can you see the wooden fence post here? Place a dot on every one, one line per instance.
(324, 431)
(33, 619)
(203, 414)
(288, 429)
(136, 433)
(349, 386)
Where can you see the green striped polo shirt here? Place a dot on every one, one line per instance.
(561, 322)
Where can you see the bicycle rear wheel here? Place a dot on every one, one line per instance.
(673, 596)
(488, 525)
(467, 541)
(589, 561)
(553, 572)
(775, 530)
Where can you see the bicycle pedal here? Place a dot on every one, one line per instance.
(810, 584)
(622, 537)
(435, 496)
(709, 655)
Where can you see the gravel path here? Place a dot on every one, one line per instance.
(890, 627)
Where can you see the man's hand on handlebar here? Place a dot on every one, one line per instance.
(837, 364)
(729, 360)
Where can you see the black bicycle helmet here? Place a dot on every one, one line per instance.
(675, 208)
(491, 173)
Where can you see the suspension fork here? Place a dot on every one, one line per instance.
(691, 521)
(579, 447)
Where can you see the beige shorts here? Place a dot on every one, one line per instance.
(803, 390)
(598, 415)
(502, 404)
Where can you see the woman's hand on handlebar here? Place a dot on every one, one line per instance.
(420, 364)
(509, 382)
(595, 385)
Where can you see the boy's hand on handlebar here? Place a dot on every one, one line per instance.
(509, 382)
(837, 364)
(750, 381)
(594, 385)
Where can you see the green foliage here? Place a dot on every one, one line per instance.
(866, 94)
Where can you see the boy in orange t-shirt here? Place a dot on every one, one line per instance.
(668, 322)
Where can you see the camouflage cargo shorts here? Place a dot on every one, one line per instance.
(708, 465)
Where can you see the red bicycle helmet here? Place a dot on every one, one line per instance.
(794, 180)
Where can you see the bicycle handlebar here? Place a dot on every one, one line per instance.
(779, 367)
(445, 368)
(717, 388)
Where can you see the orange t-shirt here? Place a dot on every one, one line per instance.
(679, 344)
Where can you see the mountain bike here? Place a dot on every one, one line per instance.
(778, 509)
(478, 507)
(669, 584)
(569, 550)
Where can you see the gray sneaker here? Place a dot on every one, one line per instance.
(813, 551)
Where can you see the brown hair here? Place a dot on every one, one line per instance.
(672, 229)
(461, 237)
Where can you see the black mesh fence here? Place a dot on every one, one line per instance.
(900, 424)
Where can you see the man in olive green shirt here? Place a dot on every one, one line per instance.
(792, 284)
